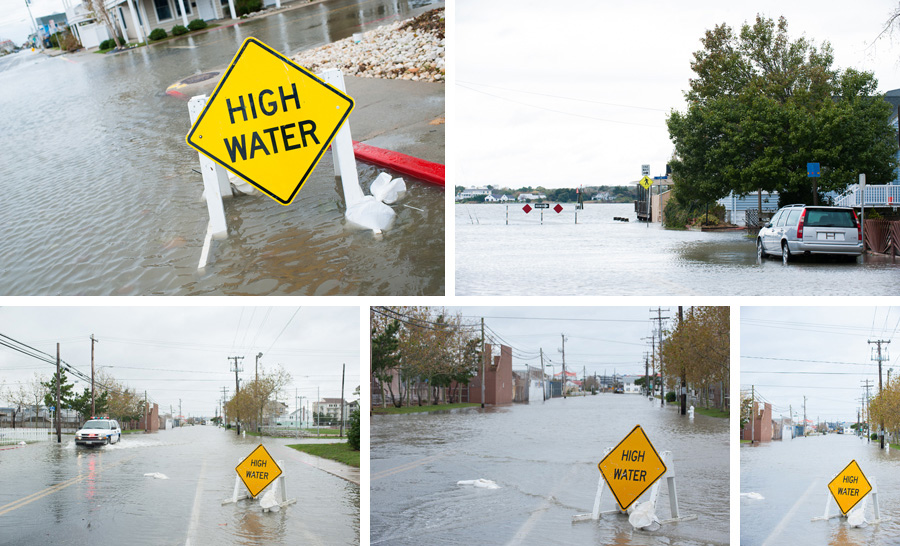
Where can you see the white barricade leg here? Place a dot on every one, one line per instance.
(215, 186)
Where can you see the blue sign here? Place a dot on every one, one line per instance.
(812, 170)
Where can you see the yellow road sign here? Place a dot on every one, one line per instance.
(646, 182)
(258, 470)
(849, 487)
(631, 467)
(269, 121)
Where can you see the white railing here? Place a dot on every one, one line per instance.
(10, 436)
(876, 195)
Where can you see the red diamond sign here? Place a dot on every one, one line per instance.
(527, 209)
(558, 208)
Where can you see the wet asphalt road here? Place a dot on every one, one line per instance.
(63, 494)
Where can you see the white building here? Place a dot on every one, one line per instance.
(331, 407)
(470, 193)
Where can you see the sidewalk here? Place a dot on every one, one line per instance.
(334, 468)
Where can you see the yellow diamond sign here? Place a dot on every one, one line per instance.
(631, 467)
(269, 121)
(646, 182)
(258, 470)
(849, 487)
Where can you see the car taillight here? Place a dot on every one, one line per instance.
(800, 224)
(858, 227)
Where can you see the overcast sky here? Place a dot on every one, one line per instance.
(598, 339)
(16, 25)
(531, 76)
(827, 345)
(182, 352)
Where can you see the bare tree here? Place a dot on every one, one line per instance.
(98, 9)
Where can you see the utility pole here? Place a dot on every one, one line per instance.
(256, 378)
(237, 388)
(804, 416)
(659, 318)
(146, 414)
(543, 375)
(868, 430)
(224, 398)
(646, 374)
(752, 411)
(880, 359)
(343, 372)
(180, 415)
(684, 373)
(93, 341)
(483, 356)
(58, 409)
(563, 365)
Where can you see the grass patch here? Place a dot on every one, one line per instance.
(420, 409)
(711, 412)
(745, 441)
(336, 452)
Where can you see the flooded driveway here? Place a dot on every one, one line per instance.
(543, 457)
(792, 478)
(602, 256)
(100, 194)
(63, 494)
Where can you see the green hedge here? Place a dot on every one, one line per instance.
(243, 7)
(196, 24)
(178, 30)
(157, 34)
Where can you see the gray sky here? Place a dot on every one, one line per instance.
(182, 352)
(15, 24)
(598, 339)
(521, 65)
(828, 344)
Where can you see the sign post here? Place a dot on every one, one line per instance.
(269, 121)
(631, 468)
(862, 211)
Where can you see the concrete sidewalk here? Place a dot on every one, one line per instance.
(334, 468)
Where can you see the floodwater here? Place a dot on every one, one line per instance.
(100, 197)
(64, 494)
(792, 477)
(543, 456)
(602, 256)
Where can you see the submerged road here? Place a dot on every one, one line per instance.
(543, 458)
(784, 484)
(64, 494)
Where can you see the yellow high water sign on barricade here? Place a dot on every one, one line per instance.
(849, 487)
(258, 470)
(269, 121)
(631, 467)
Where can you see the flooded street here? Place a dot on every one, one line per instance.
(63, 494)
(100, 197)
(543, 456)
(792, 477)
(601, 256)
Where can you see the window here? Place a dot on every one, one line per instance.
(163, 12)
(187, 7)
(794, 217)
(122, 16)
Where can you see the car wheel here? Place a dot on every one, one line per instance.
(107, 440)
(760, 251)
(785, 253)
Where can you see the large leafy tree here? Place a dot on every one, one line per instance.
(699, 348)
(762, 106)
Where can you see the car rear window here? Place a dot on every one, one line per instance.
(830, 218)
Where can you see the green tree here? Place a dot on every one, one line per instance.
(385, 355)
(65, 390)
(82, 404)
(762, 106)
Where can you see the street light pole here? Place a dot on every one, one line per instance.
(93, 410)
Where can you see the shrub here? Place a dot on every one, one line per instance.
(353, 431)
(670, 397)
(157, 34)
(243, 7)
(178, 30)
(107, 44)
(197, 24)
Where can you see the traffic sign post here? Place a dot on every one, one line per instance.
(849, 490)
(256, 472)
(631, 468)
(269, 121)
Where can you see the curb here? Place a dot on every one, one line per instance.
(427, 171)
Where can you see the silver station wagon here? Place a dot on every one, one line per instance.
(802, 229)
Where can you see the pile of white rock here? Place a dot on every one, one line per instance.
(415, 52)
